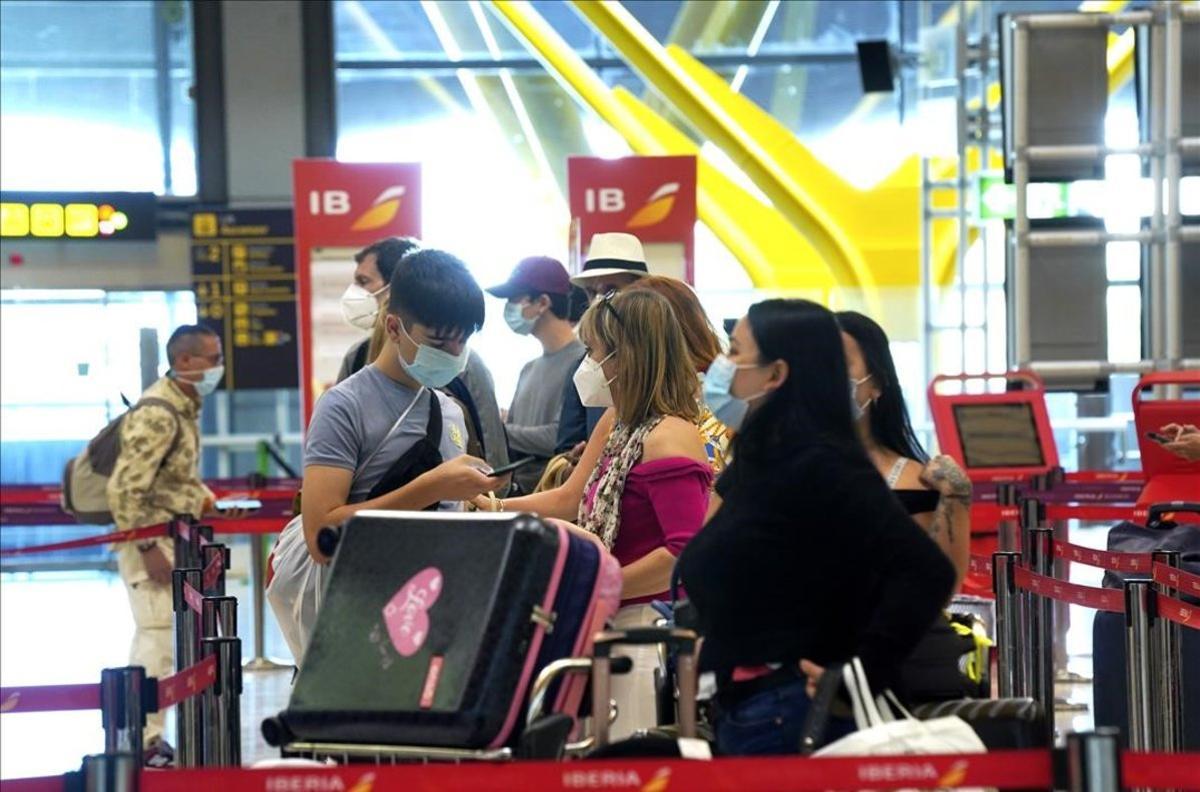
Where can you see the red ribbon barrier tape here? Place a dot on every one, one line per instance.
(187, 683)
(1177, 579)
(193, 598)
(1160, 770)
(49, 698)
(42, 784)
(148, 532)
(212, 572)
(1179, 612)
(980, 565)
(257, 525)
(1105, 559)
(986, 516)
(1002, 769)
(1098, 598)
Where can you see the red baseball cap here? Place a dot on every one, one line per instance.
(536, 275)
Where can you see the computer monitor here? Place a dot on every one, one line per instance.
(998, 435)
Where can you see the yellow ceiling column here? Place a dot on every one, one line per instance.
(783, 188)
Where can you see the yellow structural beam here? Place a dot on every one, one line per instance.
(754, 233)
(785, 189)
(773, 253)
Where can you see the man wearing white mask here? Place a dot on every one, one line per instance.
(156, 477)
(361, 304)
(538, 295)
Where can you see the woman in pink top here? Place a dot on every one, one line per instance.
(648, 491)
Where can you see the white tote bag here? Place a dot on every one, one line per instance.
(296, 579)
(884, 733)
(295, 588)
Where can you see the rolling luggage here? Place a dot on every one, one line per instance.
(433, 625)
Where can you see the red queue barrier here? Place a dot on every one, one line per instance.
(1000, 769)
(189, 682)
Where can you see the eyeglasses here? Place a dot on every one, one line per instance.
(606, 301)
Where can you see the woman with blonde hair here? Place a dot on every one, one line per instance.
(648, 479)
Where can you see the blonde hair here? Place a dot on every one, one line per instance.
(654, 373)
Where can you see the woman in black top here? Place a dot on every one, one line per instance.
(806, 555)
(936, 492)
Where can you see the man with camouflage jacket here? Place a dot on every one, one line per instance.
(156, 477)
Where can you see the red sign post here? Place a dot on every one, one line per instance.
(653, 198)
(344, 205)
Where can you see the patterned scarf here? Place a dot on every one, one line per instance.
(622, 451)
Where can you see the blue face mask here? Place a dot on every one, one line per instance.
(515, 317)
(431, 367)
(729, 409)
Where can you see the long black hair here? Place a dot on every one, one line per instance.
(888, 414)
(813, 404)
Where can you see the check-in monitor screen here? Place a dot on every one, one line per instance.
(998, 435)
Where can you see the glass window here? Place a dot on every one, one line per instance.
(94, 96)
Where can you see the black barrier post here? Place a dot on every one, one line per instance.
(199, 536)
(111, 772)
(122, 710)
(1139, 683)
(207, 554)
(1008, 624)
(1168, 659)
(1007, 496)
(223, 721)
(218, 617)
(187, 654)
(175, 530)
(1094, 761)
(1039, 611)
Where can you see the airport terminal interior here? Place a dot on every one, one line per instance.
(377, 375)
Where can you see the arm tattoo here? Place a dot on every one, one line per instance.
(943, 520)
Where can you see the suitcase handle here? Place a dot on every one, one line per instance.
(684, 641)
(1154, 518)
(673, 637)
(327, 540)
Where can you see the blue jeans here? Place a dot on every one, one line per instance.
(771, 722)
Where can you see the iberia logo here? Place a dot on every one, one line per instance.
(364, 784)
(382, 211)
(955, 775)
(317, 782)
(616, 779)
(11, 702)
(657, 209)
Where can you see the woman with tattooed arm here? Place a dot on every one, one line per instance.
(935, 491)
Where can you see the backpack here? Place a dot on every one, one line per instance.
(85, 478)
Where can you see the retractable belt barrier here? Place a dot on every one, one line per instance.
(1025, 588)
(1092, 764)
(64, 698)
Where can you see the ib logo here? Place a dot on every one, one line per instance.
(337, 202)
(611, 200)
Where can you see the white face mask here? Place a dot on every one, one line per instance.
(210, 378)
(592, 384)
(360, 307)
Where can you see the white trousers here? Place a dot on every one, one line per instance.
(634, 692)
(153, 645)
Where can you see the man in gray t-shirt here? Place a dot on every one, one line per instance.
(538, 295)
(434, 307)
(352, 427)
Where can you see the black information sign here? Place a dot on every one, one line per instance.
(244, 275)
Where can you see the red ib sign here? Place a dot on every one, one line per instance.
(653, 198)
(345, 205)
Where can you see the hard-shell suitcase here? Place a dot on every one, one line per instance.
(433, 625)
